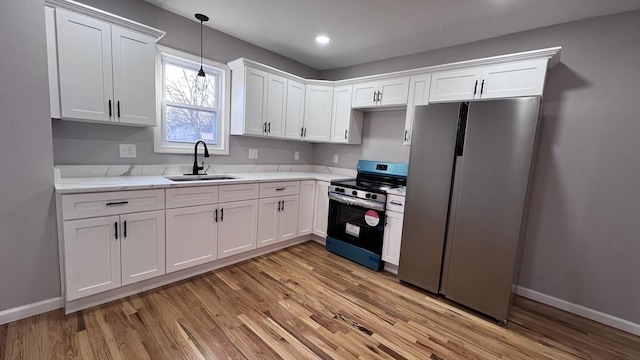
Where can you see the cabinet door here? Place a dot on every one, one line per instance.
(525, 78)
(255, 105)
(238, 225)
(192, 236)
(306, 207)
(317, 113)
(294, 115)
(322, 209)
(134, 77)
(288, 218)
(142, 246)
(84, 61)
(393, 91)
(455, 85)
(363, 94)
(392, 238)
(276, 105)
(341, 116)
(268, 211)
(91, 256)
(418, 95)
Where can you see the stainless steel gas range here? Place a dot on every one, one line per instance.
(357, 211)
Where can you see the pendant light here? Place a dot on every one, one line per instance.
(202, 18)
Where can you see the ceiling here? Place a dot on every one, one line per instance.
(367, 30)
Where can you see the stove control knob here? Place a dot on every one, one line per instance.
(374, 197)
(354, 193)
(368, 195)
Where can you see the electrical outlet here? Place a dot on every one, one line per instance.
(335, 159)
(253, 153)
(127, 150)
(296, 155)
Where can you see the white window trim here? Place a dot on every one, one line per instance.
(224, 100)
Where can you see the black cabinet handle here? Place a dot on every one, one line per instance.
(475, 88)
(117, 203)
(116, 226)
(282, 205)
(222, 214)
(110, 114)
(279, 205)
(269, 127)
(305, 131)
(482, 87)
(216, 218)
(379, 95)
(345, 133)
(302, 131)
(118, 105)
(124, 228)
(395, 203)
(280, 189)
(406, 132)
(264, 127)
(374, 97)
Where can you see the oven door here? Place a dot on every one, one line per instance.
(356, 221)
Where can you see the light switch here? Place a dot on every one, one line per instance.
(335, 159)
(253, 153)
(296, 155)
(127, 150)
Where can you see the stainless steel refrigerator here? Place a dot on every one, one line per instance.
(467, 185)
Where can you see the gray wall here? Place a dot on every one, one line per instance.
(582, 241)
(85, 143)
(381, 140)
(28, 246)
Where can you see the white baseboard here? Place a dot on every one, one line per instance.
(585, 312)
(319, 239)
(25, 311)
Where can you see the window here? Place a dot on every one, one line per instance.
(191, 108)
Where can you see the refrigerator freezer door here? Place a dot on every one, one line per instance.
(427, 200)
(493, 185)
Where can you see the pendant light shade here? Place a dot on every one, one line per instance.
(202, 18)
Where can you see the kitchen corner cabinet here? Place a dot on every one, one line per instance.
(387, 92)
(322, 209)
(419, 86)
(107, 252)
(306, 207)
(523, 78)
(106, 72)
(346, 123)
(317, 113)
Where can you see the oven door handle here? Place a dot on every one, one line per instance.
(349, 200)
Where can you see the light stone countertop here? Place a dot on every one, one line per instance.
(118, 183)
(401, 191)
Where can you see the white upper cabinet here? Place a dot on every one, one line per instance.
(455, 85)
(317, 113)
(346, 123)
(418, 95)
(276, 105)
(387, 92)
(523, 78)
(106, 72)
(252, 118)
(294, 114)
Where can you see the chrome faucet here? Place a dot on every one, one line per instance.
(196, 168)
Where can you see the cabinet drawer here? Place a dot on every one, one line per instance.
(239, 192)
(395, 203)
(192, 196)
(281, 188)
(78, 206)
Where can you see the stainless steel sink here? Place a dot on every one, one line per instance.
(185, 177)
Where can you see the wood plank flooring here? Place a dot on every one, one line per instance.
(305, 303)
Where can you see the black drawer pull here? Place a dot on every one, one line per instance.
(395, 203)
(117, 203)
(280, 189)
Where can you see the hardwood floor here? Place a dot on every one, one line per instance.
(304, 303)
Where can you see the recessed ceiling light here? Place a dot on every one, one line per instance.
(322, 39)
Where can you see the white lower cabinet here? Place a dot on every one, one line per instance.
(237, 227)
(192, 236)
(306, 207)
(392, 237)
(277, 219)
(322, 209)
(106, 252)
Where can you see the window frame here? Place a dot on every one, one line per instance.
(223, 92)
